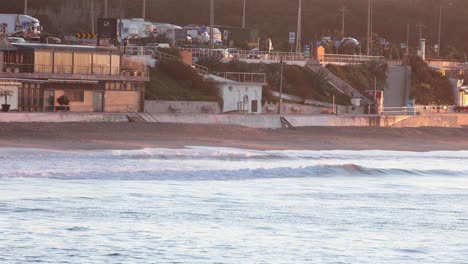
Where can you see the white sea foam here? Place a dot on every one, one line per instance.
(225, 163)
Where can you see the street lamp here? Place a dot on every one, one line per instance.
(343, 11)
(92, 16)
(369, 27)
(211, 24)
(299, 25)
(105, 9)
(440, 26)
(243, 16)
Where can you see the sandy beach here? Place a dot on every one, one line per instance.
(136, 136)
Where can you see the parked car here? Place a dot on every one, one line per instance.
(16, 40)
(254, 54)
(233, 53)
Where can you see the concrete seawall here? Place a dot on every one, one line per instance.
(273, 121)
(255, 121)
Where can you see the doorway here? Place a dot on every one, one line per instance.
(49, 101)
(97, 102)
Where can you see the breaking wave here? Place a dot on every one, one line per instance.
(203, 163)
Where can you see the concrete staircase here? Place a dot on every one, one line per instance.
(337, 83)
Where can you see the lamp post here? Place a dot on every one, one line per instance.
(105, 9)
(343, 11)
(144, 9)
(243, 16)
(25, 7)
(440, 26)
(299, 26)
(369, 28)
(211, 24)
(92, 16)
(420, 25)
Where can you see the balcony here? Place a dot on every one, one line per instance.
(94, 72)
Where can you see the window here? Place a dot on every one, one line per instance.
(75, 96)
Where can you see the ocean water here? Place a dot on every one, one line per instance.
(218, 205)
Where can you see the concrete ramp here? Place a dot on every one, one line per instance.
(397, 91)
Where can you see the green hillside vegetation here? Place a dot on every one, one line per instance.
(175, 81)
(361, 76)
(429, 86)
(296, 80)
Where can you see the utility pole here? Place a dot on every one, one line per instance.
(144, 9)
(25, 7)
(407, 37)
(343, 11)
(211, 24)
(281, 86)
(299, 26)
(105, 9)
(92, 16)
(440, 27)
(420, 25)
(243, 16)
(369, 36)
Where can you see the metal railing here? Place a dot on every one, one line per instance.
(101, 70)
(350, 59)
(417, 110)
(164, 56)
(243, 77)
(337, 83)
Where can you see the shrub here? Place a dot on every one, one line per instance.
(63, 100)
(429, 86)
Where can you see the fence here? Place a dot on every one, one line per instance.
(350, 59)
(418, 110)
(244, 77)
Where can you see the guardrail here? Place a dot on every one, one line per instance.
(245, 77)
(418, 110)
(350, 59)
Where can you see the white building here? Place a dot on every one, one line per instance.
(243, 97)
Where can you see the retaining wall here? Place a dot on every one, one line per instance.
(182, 107)
(62, 117)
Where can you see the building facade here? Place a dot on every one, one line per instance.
(94, 79)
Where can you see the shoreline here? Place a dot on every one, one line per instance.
(128, 136)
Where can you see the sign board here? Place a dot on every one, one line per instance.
(85, 35)
(307, 51)
(225, 35)
(203, 29)
(107, 28)
(292, 37)
(337, 43)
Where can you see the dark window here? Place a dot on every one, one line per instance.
(75, 96)
(254, 106)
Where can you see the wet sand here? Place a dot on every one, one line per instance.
(88, 136)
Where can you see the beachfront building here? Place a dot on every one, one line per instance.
(94, 79)
(240, 92)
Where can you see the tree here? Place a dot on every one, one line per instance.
(6, 93)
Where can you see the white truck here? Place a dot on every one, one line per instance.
(136, 28)
(17, 25)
